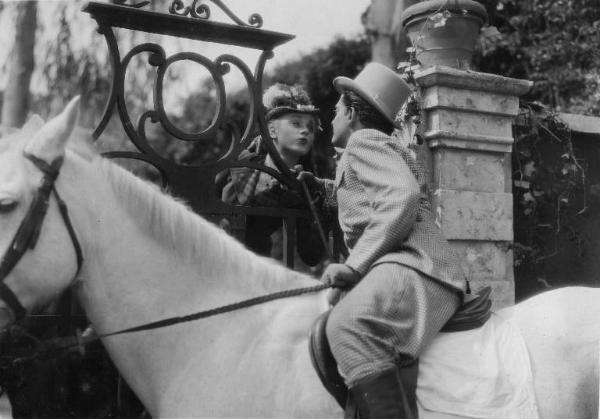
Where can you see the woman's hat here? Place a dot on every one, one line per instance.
(380, 86)
(281, 99)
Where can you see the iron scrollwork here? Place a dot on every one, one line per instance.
(217, 69)
(195, 180)
(199, 10)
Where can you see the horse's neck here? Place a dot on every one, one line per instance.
(191, 361)
(130, 278)
(130, 275)
(133, 279)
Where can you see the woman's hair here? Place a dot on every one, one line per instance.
(367, 114)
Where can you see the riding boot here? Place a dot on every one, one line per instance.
(382, 396)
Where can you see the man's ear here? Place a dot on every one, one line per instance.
(352, 116)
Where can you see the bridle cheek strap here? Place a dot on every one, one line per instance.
(12, 301)
(64, 212)
(28, 232)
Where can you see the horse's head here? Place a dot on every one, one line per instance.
(37, 256)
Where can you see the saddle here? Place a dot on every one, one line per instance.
(473, 313)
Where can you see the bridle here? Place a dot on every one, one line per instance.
(28, 232)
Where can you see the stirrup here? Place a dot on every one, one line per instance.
(383, 396)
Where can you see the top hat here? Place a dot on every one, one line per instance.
(281, 99)
(380, 86)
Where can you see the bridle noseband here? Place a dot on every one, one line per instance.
(28, 232)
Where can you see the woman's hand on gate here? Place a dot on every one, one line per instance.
(307, 177)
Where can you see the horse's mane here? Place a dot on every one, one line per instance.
(190, 236)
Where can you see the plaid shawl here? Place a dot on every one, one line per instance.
(243, 187)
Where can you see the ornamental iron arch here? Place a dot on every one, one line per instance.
(196, 183)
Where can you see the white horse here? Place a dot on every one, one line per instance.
(148, 257)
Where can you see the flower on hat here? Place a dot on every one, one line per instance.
(281, 97)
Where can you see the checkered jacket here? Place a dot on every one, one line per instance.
(385, 214)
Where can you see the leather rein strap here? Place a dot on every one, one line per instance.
(55, 346)
(28, 232)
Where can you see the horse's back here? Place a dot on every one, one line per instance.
(561, 329)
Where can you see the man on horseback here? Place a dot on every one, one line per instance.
(407, 282)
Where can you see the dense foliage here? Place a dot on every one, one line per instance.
(549, 190)
(554, 44)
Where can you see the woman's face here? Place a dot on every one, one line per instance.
(294, 133)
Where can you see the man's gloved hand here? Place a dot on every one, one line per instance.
(342, 277)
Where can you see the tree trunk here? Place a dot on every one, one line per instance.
(20, 66)
(382, 24)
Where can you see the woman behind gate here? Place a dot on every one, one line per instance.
(293, 124)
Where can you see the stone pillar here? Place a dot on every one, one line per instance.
(467, 124)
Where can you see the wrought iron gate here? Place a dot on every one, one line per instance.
(196, 183)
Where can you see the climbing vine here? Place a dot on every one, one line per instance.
(548, 186)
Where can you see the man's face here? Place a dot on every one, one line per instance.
(341, 124)
(294, 133)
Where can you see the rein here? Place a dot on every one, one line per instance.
(81, 341)
(317, 220)
(27, 236)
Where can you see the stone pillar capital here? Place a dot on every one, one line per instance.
(467, 109)
(471, 80)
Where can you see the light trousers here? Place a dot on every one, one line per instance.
(387, 319)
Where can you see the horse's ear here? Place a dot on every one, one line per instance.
(33, 124)
(50, 140)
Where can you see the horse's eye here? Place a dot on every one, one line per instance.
(7, 205)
